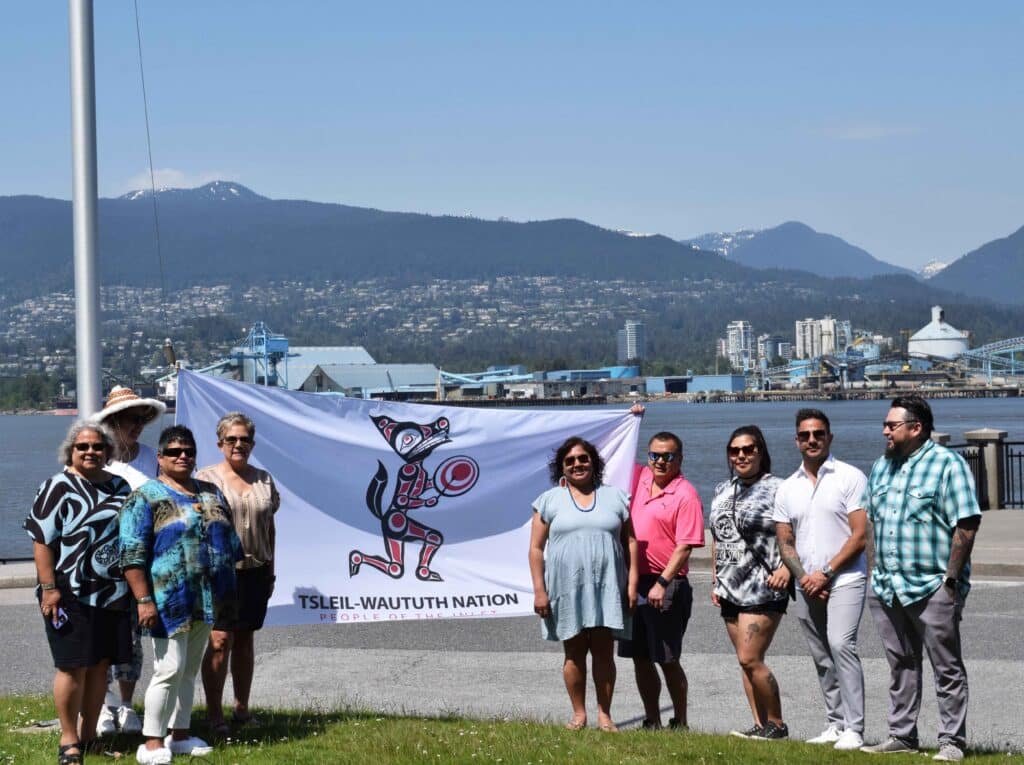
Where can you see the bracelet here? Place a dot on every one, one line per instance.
(144, 599)
(47, 586)
(663, 581)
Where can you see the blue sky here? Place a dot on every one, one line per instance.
(896, 126)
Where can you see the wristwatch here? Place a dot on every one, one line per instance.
(827, 571)
(663, 581)
(144, 599)
(949, 582)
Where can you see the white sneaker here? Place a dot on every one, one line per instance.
(192, 745)
(849, 740)
(161, 756)
(127, 720)
(949, 753)
(106, 724)
(830, 735)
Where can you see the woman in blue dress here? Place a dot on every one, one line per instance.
(584, 586)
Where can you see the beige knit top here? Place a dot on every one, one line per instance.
(253, 514)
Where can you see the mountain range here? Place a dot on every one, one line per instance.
(795, 245)
(224, 231)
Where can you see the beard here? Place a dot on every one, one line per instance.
(891, 452)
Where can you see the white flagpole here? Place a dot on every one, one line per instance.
(84, 205)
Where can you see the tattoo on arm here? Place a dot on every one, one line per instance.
(960, 551)
(787, 549)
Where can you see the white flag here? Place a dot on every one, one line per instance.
(395, 511)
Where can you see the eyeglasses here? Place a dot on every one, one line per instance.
(572, 459)
(232, 440)
(132, 418)
(891, 426)
(177, 451)
(666, 457)
(98, 446)
(806, 435)
(746, 449)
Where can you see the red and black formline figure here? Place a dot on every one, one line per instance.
(415, 490)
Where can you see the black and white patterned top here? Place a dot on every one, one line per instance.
(740, 577)
(78, 520)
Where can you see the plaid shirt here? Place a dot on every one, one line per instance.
(914, 505)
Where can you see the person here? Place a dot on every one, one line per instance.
(921, 500)
(821, 530)
(749, 579)
(584, 589)
(668, 521)
(253, 499)
(127, 414)
(178, 551)
(82, 596)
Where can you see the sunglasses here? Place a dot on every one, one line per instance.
(132, 418)
(98, 446)
(887, 425)
(666, 457)
(806, 435)
(177, 451)
(232, 440)
(583, 459)
(746, 449)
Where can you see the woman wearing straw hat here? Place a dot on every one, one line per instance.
(127, 414)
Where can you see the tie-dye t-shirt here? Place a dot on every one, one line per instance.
(188, 548)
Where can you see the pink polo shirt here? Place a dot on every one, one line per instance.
(675, 517)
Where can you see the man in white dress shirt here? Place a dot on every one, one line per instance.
(822, 530)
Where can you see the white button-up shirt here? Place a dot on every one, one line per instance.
(819, 513)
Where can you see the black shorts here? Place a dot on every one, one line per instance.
(90, 636)
(252, 592)
(658, 632)
(731, 610)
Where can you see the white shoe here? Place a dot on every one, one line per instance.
(106, 724)
(127, 720)
(192, 745)
(849, 740)
(830, 735)
(161, 756)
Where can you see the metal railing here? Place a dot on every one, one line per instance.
(1013, 473)
(972, 455)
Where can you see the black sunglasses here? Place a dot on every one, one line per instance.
(666, 457)
(232, 440)
(583, 459)
(177, 451)
(747, 449)
(91, 447)
(805, 435)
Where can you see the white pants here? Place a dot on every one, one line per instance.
(176, 663)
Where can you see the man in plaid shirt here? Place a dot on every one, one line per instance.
(920, 499)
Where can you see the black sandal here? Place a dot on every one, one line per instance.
(66, 758)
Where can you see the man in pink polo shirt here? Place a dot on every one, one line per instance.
(668, 521)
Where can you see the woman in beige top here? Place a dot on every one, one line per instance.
(253, 498)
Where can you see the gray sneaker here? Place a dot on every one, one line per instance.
(949, 753)
(891, 745)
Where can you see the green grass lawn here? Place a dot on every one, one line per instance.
(312, 737)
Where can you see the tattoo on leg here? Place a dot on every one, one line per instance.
(773, 684)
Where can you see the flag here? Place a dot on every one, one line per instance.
(395, 511)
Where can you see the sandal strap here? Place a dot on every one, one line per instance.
(66, 758)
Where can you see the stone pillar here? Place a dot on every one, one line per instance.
(990, 446)
(942, 439)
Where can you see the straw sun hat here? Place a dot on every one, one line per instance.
(121, 398)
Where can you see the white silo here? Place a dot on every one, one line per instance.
(938, 339)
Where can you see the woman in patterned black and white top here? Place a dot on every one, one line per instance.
(82, 594)
(750, 580)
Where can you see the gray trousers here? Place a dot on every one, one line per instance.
(933, 623)
(830, 627)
